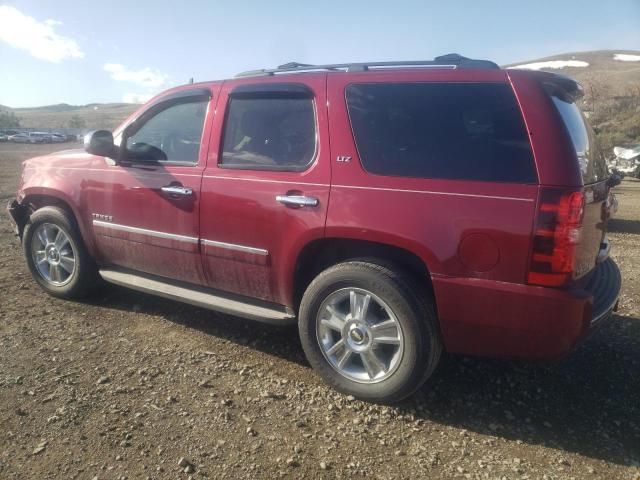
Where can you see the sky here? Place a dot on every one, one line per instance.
(65, 51)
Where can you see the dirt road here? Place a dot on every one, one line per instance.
(125, 385)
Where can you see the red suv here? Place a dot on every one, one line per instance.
(392, 210)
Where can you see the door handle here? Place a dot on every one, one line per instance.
(177, 190)
(297, 201)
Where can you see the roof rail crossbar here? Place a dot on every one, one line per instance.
(451, 60)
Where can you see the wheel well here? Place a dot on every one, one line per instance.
(31, 203)
(321, 254)
(38, 201)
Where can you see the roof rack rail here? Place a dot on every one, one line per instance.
(451, 60)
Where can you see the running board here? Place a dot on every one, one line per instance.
(224, 303)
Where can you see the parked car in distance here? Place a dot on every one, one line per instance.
(41, 137)
(626, 161)
(21, 138)
(58, 138)
(391, 210)
(31, 137)
(4, 138)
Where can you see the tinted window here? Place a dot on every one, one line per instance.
(172, 135)
(269, 133)
(592, 163)
(435, 130)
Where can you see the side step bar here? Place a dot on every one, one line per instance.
(200, 297)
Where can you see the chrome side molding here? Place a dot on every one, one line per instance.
(107, 228)
(143, 231)
(233, 246)
(201, 297)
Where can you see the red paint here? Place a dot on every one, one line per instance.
(478, 252)
(239, 207)
(475, 238)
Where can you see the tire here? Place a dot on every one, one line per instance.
(407, 346)
(49, 261)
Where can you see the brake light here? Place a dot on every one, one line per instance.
(557, 235)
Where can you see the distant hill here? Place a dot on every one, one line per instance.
(617, 70)
(60, 107)
(92, 116)
(611, 80)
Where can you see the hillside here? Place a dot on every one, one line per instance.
(602, 66)
(611, 80)
(92, 116)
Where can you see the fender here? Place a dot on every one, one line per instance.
(418, 249)
(29, 192)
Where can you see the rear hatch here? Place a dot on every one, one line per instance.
(593, 169)
(572, 221)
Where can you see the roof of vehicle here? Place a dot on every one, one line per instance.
(449, 61)
(480, 69)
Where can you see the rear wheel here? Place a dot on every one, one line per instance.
(369, 332)
(56, 255)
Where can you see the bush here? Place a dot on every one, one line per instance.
(77, 122)
(8, 119)
(618, 123)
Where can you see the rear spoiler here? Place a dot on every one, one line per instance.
(561, 86)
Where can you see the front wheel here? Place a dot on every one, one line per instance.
(369, 332)
(56, 255)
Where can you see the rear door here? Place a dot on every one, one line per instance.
(265, 190)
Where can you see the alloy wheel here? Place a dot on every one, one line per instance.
(53, 254)
(359, 335)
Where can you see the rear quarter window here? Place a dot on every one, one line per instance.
(465, 131)
(593, 166)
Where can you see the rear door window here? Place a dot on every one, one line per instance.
(593, 166)
(269, 132)
(463, 131)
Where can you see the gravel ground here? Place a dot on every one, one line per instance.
(126, 385)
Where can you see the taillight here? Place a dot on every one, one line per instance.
(557, 235)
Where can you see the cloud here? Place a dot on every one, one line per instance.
(145, 77)
(137, 97)
(38, 38)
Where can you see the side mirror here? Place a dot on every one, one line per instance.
(99, 142)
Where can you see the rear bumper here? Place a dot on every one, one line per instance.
(482, 317)
(604, 287)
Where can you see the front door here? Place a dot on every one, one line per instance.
(265, 190)
(146, 208)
